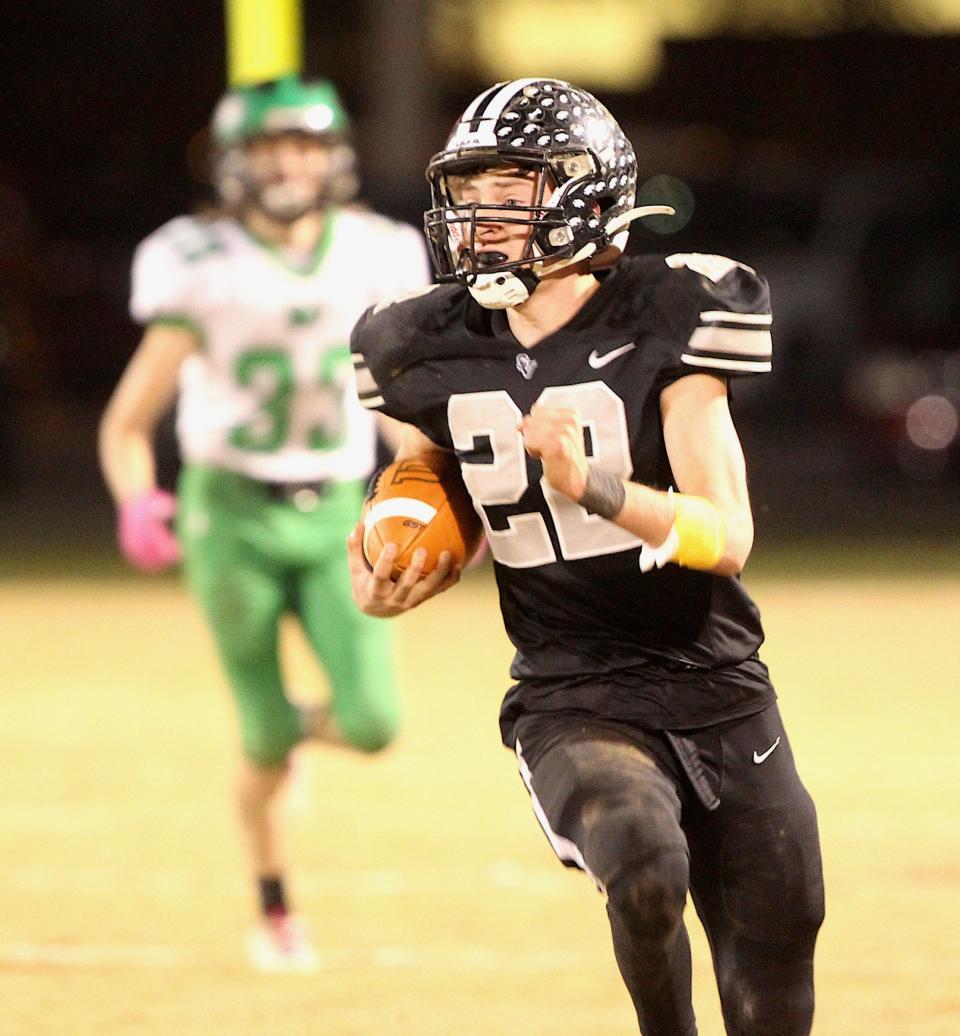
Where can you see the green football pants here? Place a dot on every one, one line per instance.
(249, 559)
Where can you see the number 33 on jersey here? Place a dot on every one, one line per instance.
(270, 390)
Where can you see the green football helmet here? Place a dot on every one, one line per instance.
(287, 105)
(284, 105)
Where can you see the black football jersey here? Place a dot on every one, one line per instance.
(669, 648)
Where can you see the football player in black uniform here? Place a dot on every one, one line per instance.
(585, 396)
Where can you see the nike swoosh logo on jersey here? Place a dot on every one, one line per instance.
(596, 362)
(759, 757)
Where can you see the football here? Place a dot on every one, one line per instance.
(420, 502)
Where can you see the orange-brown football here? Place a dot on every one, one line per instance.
(420, 502)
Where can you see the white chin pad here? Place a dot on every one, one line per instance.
(499, 290)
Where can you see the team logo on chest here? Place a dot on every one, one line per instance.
(526, 364)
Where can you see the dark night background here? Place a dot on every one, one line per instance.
(829, 163)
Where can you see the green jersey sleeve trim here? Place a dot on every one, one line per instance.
(183, 323)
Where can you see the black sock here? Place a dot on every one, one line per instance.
(272, 897)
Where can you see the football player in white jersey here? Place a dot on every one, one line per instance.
(248, 317)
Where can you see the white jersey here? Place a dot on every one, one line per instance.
(270, 393)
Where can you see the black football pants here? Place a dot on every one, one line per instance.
(719, 812)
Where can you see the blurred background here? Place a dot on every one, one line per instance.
(816, 140)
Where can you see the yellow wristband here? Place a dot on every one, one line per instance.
(701, 532)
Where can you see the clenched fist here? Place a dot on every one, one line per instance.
(555, 437)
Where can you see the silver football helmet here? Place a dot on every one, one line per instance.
(586, 163)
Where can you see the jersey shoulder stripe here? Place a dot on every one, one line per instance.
(732, 331)
(368, 391)
(727, 363)
(739, 337)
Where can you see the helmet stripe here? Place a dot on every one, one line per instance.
(478, 102)
(505, 95)
(491, 104)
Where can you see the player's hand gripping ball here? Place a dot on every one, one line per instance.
(420, 502)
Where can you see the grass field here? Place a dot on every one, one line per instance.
(437, 903)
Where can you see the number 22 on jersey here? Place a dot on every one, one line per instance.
(478, 417)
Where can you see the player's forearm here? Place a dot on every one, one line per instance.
(738, 543)
(645, 512)
(143, 395)
(126, 459)
(706, 535)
